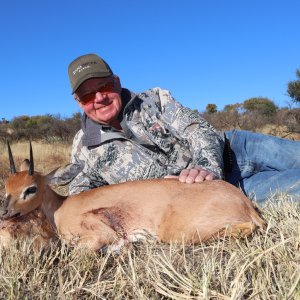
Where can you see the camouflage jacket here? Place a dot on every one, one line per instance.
(159, 137)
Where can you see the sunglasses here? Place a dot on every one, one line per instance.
(109, 87)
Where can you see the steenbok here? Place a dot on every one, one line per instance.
(113, 215)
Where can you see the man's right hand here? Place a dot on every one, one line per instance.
(194, 175)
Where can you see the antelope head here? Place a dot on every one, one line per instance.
(24, 189)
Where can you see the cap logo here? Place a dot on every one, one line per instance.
(84, 66)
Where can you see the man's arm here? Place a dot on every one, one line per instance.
(206, 145)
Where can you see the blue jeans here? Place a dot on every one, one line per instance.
(264, 165)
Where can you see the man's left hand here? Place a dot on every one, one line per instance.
(197, 174)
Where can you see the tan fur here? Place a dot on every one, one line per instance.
(113, 215)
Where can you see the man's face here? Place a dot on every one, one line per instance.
(100, 98)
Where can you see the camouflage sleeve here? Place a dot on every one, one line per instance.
(206, 145)
(81, 182)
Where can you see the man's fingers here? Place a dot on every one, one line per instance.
(199, 178)
(189, 176)
(210, 176)
(183, 175)
(204, 175)
(196, 174)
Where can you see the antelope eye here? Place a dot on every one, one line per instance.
(30, 190)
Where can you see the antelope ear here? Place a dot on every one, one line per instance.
(64, 175)
(25, 165)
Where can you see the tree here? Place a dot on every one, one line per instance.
(233, 108)
(260, 105)
(294, 88)
(211, 108)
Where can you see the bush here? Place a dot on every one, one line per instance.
(48, 127)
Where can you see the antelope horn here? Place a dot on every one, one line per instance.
(11, 160)
(31, 165)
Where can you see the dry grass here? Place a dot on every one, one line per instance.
(46, 157)
(265, 266)
(279, 131)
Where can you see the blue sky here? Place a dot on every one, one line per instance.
(212, 51)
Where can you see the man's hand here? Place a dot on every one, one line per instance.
(197, 174)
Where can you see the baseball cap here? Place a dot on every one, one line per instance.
(85, 67)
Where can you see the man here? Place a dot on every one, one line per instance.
(127, 136)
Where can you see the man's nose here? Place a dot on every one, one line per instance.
(99, 96)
